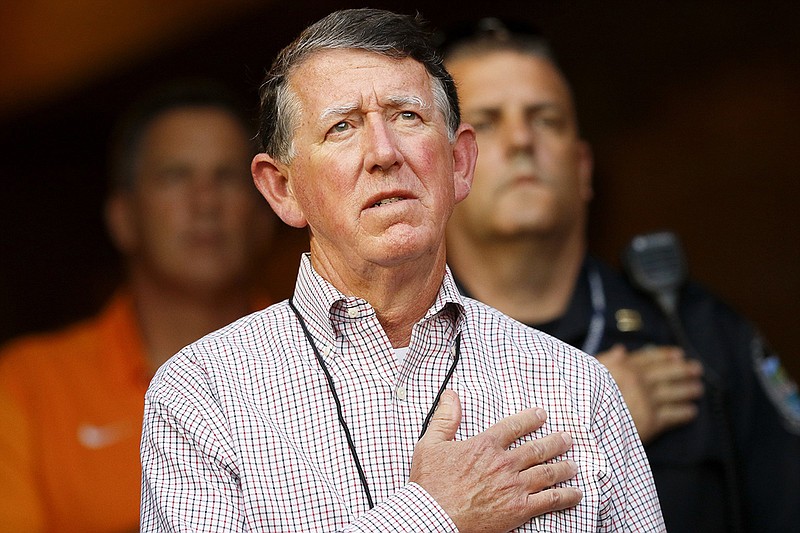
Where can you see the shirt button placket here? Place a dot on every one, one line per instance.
(400, 392)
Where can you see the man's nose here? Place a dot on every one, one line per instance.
(381, 150)
(206, 192)
(519, 135)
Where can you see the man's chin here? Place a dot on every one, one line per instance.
(212, 279)
(405, 252)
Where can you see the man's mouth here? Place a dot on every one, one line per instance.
(387, 201)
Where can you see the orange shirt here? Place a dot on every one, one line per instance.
(71, 405)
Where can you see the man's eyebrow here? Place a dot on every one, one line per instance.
(394, 101)
(403, 101)
(547, 105)
(495, 108)
(482, 110)
(337, 111)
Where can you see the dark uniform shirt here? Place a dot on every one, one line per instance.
(736, 467)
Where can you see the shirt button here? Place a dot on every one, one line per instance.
(326, 350)
(352, 311)
(401, 393)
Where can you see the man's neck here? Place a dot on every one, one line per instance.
(400, 295)
(529, 279)
(171, 318)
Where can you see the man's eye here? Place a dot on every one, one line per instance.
(231, 176)
(409, 115)
(548, 121)
(340, 127)
(482, 125)
(173, 175)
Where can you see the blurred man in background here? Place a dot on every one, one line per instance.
(720, 431)
(184, 214)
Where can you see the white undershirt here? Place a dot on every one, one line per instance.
(400, 354)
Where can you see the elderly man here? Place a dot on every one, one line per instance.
(717, 444)
(320, 413)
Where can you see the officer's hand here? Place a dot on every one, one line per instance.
(481, 483)
(659, 384)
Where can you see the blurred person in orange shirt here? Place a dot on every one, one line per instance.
(185, 215)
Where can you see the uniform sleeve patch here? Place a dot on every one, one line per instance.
(778, 384)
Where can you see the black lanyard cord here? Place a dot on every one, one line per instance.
(339, 413)
(442, 388)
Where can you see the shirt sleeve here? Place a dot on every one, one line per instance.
(631, 502)
(409, 509)
(189, 482)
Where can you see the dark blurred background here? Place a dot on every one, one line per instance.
(693, 109)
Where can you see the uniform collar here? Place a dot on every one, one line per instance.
(570, 327)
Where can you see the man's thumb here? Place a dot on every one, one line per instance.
(615, 354)
(446, 418)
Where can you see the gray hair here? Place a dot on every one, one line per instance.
(373, 30)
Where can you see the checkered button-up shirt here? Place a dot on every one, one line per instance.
(241, 430)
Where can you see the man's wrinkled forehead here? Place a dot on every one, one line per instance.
(358, 77)
(534, 78)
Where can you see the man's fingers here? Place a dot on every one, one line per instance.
(658, 353)
(516, 426)
(555, 499)
(542, 449)
(677, 392)
(486, 472)
(614, 355)
(540, 479)
(445, 420)
(544, 476)
(677, 370)
(676, 414)
(670, 371)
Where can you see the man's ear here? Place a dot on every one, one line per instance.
(120, 222)
(465, 153)
(272, 181)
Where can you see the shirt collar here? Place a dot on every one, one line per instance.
(448, 296)
(318, 300)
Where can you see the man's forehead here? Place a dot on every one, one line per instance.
(343, 78)
(534, 82)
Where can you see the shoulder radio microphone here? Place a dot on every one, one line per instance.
(655, 264)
